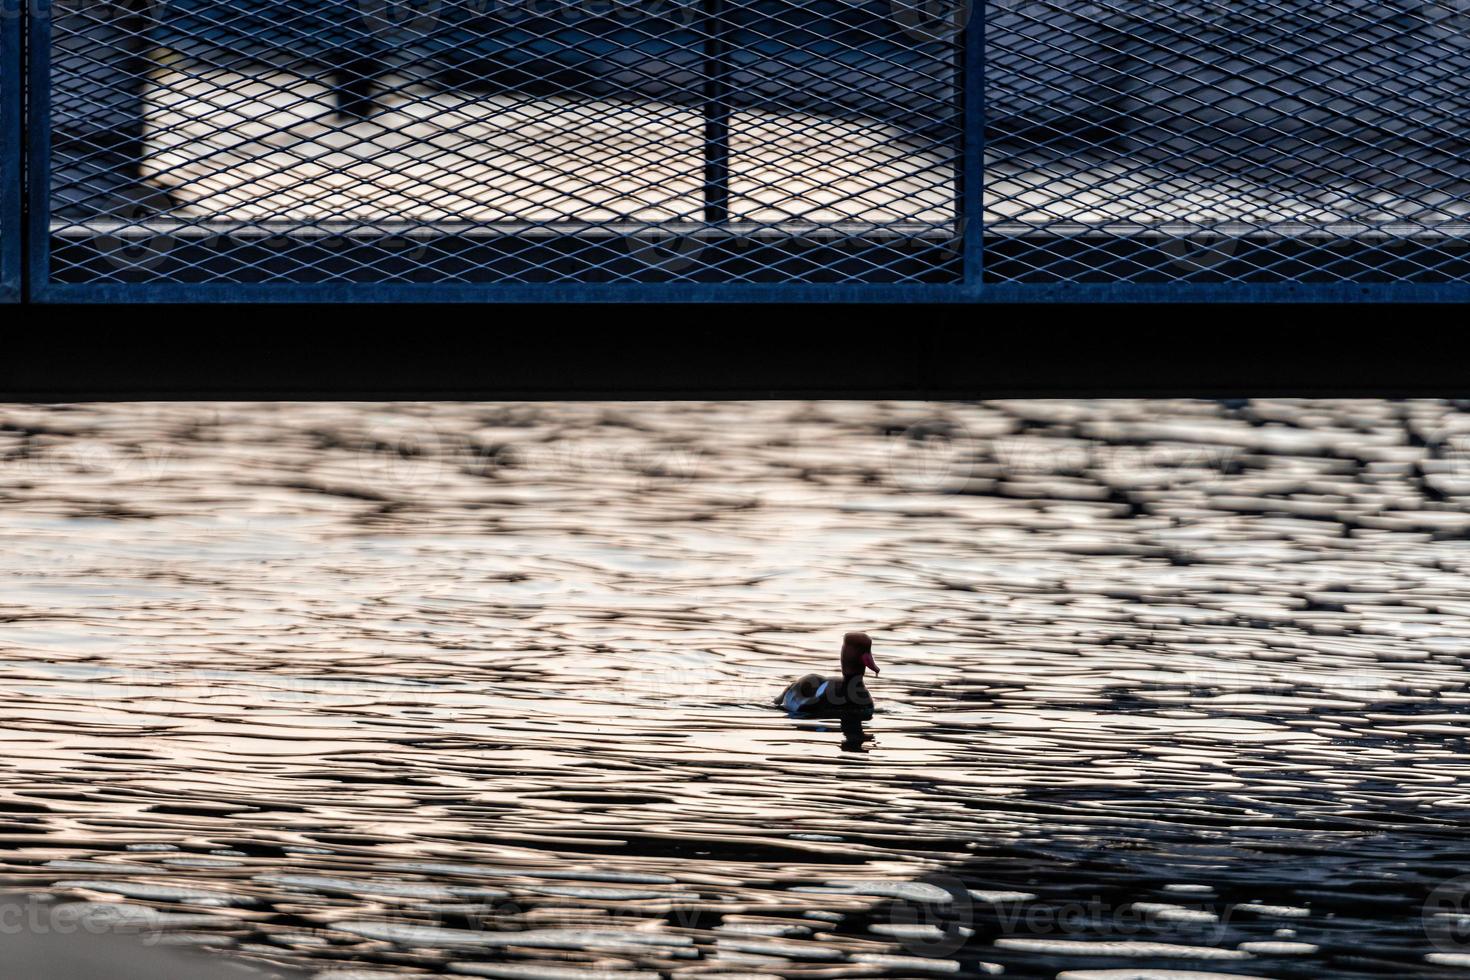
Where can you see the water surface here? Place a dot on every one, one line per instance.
(484, 689)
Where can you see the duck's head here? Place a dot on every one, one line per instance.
(857, 655)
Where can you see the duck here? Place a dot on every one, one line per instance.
(835, 695)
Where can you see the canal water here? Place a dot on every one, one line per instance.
(1168, 689)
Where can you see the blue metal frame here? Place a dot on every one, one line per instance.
(11, 108)
(1120, 292)
(38, 147)
(28, 221)
(972, 180)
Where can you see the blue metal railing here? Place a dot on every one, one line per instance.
(1251, 141)
(11, 152)
(800, 150)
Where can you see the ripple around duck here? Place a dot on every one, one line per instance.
(333, 686)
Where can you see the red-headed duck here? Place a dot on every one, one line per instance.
(818, 695)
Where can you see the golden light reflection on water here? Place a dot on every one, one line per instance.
(341, 666)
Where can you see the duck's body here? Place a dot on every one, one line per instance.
(834, 695)
(844, 694)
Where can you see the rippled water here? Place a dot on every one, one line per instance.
(484, 689)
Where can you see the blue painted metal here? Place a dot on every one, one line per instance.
(972, 160)
(11, 110)
(716, 116)
(1198, 150)
(37, 147)
(1399, 292)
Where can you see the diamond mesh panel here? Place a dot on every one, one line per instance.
(503, 141)
(1227, 141)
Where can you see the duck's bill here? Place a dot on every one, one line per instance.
(869, 662)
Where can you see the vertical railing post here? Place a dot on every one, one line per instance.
(972, 178)
(37, 144)
(12, 110)
(716, 114)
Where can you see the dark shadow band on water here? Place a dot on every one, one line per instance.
(42, 939)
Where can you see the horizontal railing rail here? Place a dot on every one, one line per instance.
(656, 232)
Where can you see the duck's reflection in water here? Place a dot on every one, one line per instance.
(854, 738)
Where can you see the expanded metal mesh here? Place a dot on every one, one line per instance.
(1227, 140)
(504, 141)
(729, 141)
